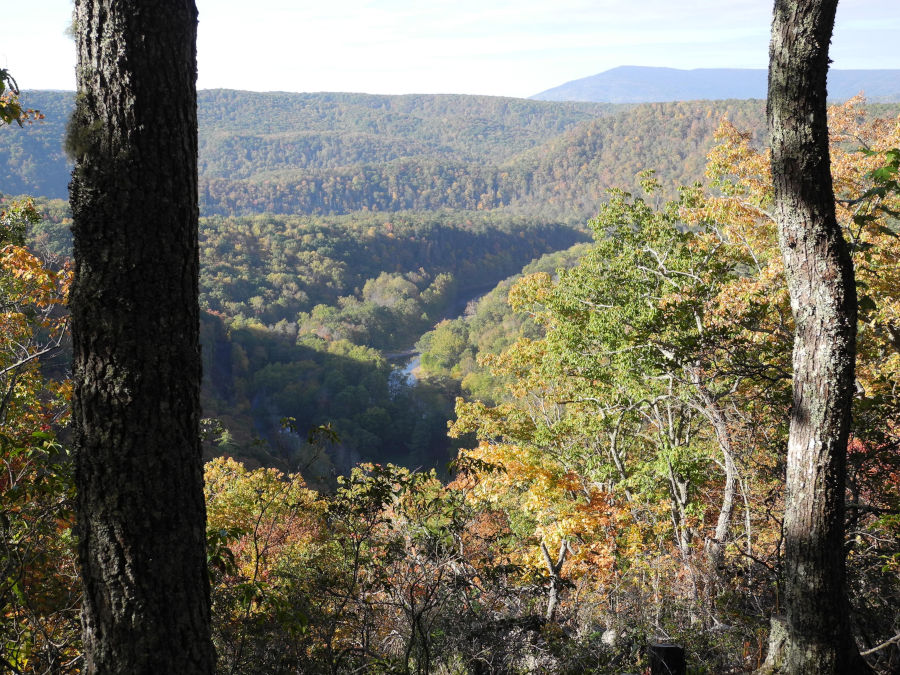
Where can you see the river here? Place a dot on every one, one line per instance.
(405, 363)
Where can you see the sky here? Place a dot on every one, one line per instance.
(494, 47)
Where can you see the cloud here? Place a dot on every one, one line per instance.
(504, 47)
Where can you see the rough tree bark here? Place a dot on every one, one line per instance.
(140, 508)
(823, 303)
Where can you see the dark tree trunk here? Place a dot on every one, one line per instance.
(140, 508)
(667, 659)
(823, 302)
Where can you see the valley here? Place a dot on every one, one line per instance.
(339, 228)
(469, 350)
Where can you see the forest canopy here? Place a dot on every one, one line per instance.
(618, 402)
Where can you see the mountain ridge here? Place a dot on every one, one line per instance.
(652, 84)
(342, 153)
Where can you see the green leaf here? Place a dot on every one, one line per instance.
(883, 174)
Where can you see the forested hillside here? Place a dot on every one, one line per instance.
(34, 162)
(244, 134)
(367, 126)
(300, 309)
(618, 402)
(362, 220)
(564, 176)
(340, 153)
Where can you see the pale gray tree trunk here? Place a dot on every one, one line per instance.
(823, 301)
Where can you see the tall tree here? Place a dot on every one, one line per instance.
(135, 327)
(823, 302)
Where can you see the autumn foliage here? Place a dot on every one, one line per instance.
(39, 598)
(622, 482)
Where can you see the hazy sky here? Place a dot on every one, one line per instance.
(501, 47)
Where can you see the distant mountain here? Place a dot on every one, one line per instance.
(330, 154)
(639, 84)
(243, 135)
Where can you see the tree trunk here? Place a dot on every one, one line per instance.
(135, 330)
(667, 659)
(712, 410)
(556, 581)
(823, 302)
